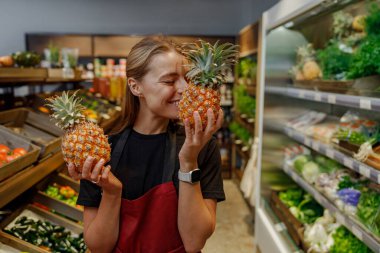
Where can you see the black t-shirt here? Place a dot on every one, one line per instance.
(141, 167)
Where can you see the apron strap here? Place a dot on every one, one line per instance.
(170, 156)
(118, 151)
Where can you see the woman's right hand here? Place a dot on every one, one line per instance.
(97, 174)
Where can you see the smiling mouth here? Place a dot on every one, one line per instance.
(176, 103)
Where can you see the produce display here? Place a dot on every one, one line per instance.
(246, 71)
(81, 138)
(47, 236)
(301, 205)
(352, 52)
(350, 193)
(326, 235)
(245, 103)
(96, 109)
(208, 65)
(26, 59)
(7, 154)
(241, 132)
(63, 193)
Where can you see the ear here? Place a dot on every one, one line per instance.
(134, 87)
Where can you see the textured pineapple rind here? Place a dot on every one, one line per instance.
(85, 139)
(198, 98)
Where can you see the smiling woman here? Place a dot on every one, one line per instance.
(161, 173)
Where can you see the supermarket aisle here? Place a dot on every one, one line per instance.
(234, 227)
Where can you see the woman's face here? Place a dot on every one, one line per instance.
(162, 86)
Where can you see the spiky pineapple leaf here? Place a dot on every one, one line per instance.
(67, 110)
(208, 63)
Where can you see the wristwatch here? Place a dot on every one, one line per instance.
(191, 177)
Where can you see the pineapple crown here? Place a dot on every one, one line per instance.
(208, 63)
(67, 110)
(305, 53)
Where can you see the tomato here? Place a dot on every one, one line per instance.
(3, 157)
(10, 158)
(20, 151)
(4, 149)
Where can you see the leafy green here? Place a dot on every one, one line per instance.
(366, 59)
(346, 242)
(346, 182)
(301, 205)
(244, 102)
(333, 61)
(326, 164)
(247, 68)
(372, 22)
(291, 197)
(369, 210)
(241, 132)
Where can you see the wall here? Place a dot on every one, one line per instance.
(204, 17)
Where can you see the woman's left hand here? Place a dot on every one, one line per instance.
(196, 138)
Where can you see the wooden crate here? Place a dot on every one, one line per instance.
(294, 226)
(22, 74)
(12, 140)
(35, 127)
(58, 205)
(38, 212)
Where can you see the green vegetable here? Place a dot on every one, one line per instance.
(301, 205)
(369, 210)
(244, 102)
(45, 234)
(241, 132)
(300, 162)
(291, 197)
(366, 59)
(26, 59)
(310, 172)
(372, 21)
(346, 242)
(346, 182)
(326, 164)
(333, 61)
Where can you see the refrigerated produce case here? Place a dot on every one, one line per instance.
(281, 99)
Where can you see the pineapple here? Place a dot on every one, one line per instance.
(307, 64)
(81, 138)
(208, 65)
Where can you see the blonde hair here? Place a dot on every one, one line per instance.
(138, 62)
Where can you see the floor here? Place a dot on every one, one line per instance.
(234, 227)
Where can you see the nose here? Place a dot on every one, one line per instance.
(181, 86)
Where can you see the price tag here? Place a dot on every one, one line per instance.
(318, 96)
(348, 162)
(330, 153)
(331, 99)
(340, 219)
(364, 171)
(357, 233)
(280, 227)
(365, 104)
(315, 146)
(301, 94)
(307, 142)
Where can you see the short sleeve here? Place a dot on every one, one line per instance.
(210, 165)
(90, 194)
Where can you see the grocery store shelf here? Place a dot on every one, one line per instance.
(22, 181)
(269, 239)
(251, 90)
(247, 123)
(368, 103)
(248, 53)
(349, 162)
(242, 154)
(343, 219)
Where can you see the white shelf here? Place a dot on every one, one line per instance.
(269, 238)
(368, 103)
(343, 219)
(349, 162)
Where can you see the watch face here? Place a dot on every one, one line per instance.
(196, 176)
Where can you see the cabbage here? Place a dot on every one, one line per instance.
(310, 172)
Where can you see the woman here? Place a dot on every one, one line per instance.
(137, 203)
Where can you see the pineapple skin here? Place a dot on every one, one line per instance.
(83, 140)
(198, 98)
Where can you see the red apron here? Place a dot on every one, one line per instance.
(149, 224)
